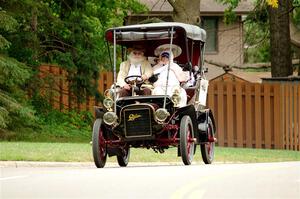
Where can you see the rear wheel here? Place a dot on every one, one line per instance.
(208, 148)
(124, 158)
(186, 140)
(98, 144)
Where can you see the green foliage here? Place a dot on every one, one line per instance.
(14, 111)
(259, 53)
(68, 33)
(79, 120)
(296, 3)
(256, 41)
(68, 126)
(53, 125)
(296, 17)
(7, 24)
(256, 34)
(229, 14)
(57, 126)
(12, 72)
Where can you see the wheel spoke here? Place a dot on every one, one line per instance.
(99, 145)
(209, 145)
(188, 142)
(207, 148)
(102, 149)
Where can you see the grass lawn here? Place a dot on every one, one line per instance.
(81, 152)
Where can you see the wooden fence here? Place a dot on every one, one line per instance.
(256, 115)
(56, 89)
(247, 114)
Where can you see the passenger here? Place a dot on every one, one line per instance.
(176, 76)
(135, 65)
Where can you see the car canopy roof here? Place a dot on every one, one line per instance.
(155, 31)
(188, 37)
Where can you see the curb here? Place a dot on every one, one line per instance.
(16, 164)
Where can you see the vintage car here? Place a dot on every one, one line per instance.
(155, 121)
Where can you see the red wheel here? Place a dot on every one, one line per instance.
(208, 149)
(187, 144)
(99, 146)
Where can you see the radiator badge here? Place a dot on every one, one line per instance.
(133, 117)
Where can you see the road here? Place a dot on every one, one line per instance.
(261, 180)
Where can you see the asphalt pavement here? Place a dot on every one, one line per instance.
(149, 180)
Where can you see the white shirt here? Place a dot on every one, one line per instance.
(134, 70)
(162, 79)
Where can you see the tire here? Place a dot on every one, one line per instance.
(186, 143)
(98, 144)
(124, 159)
(208, 148)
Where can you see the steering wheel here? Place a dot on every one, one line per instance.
(134, 80)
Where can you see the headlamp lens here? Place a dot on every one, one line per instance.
(161, 114)
(110, 118)
(108, 103)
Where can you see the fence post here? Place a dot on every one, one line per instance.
(258, 109)
(278, 118)
(220, 119)
(229, 118)
(249, 109)
(289, 113)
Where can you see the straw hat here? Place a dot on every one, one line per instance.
(176, 50)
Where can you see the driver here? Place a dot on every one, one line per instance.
(136, 64)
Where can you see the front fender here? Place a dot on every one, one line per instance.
(203, 122)
(203, 118)
(99, 112)
(190, 111)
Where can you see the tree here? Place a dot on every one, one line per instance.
(14, 111)
(69, 33)
(280, 42)
(278, 12)
(186, 11)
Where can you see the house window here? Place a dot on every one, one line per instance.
(210, 24)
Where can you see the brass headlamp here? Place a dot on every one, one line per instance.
(110, 118)
(108, 102)
(161, 114)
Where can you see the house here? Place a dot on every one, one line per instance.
(241, 76)
(224, 42)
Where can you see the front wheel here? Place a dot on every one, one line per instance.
(208, 148)
(99, 145)
(124, 158)
(186, 140)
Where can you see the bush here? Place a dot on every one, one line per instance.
(52, 125)
(66, 126)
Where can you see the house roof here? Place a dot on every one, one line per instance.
(212, 6)
(253, 77)
(206, 6)
(213, 71)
